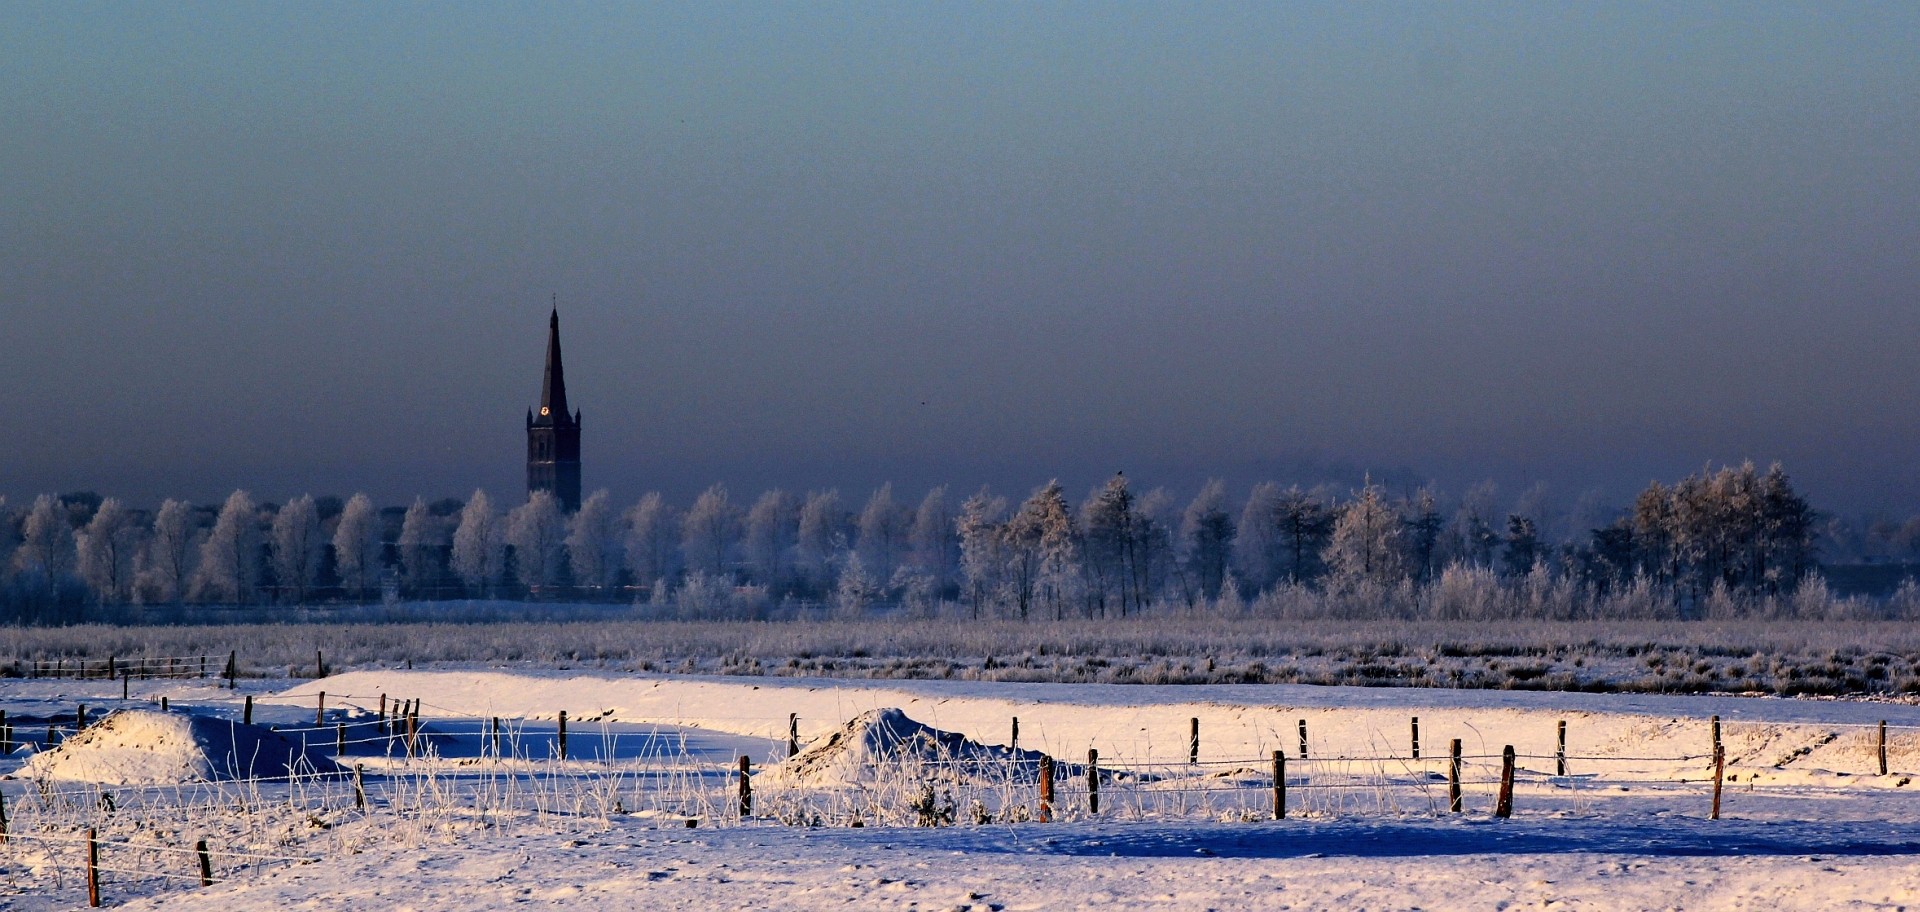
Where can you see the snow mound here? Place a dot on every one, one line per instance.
(144, 747)
(887, 739)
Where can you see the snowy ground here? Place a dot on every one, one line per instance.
(1809, 822)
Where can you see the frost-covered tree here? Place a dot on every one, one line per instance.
(107, 547)
(981, 539)
(537, 530)
(1365, 546)
(934, 542)
(1303, 523)
(1259, 554)
(169, 558)
(46, 540)
(773, 529)
(356, 545)
(593, 542)
(1476, 524)
(1523, 545)
(421, 536)
(822, 536)
(884, 526)
(479, 546)
(652, 541)
(1042, 560)
(856, 590)
(1423, 530)
(230, 557)
(1114, 549)
(1206, 542)
(296, 547)
(709, 532)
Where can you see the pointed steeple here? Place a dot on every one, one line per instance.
(553, 389)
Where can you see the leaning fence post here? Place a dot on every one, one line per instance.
(1303, 739)
(746, 786)
(1046, 788)
(1193, 741)
(563, 736)
(1416, 737)
(793, 733)
(1503, 807)
(1279, 785)
(1560, 753)
(1883, 747)
(93, 867)
(246, 714)
(1093, 781)
(206, 863)
(1719, 773)
(1453, 777)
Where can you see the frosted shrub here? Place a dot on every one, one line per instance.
(1466, 593)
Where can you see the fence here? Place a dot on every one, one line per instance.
(391, 763)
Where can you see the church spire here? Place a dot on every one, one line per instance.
(553, 389)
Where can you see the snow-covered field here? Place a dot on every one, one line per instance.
(1808, 820)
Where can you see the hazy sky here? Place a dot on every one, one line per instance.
(310, 247)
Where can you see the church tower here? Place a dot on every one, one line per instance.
(553, 435)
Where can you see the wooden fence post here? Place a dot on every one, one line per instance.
(563, 736)
(126, 685)
(203, 666)
(206, 863)
(1193, 740)
(1503, 807)
(1279, 785)
(80, 719)
(1560, 753)
(793, 733)
(1015, 743)
(319, 664)
(1453, 777)
(413, 732)
(93, 867)
(320, 710)
(1883, 747)
(3, 817)
(111, 671)
(1719, 773)
(1416, 737)
(1716, 733)
(339, 738)
(1093, 781)
(163, 702)
(1046, 788)
(246, 714)
(359, 787)
(496, 737)
(746, 786)
(233, 669)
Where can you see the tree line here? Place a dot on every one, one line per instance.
(1731, 533)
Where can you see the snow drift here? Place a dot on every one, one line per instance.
(145, 747)
(887, 738)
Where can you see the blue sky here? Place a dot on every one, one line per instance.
(310, 247)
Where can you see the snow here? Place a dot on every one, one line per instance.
(1809, 822)
(147, 747)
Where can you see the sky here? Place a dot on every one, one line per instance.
(311, 247)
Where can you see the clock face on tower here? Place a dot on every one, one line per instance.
(543, 410)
